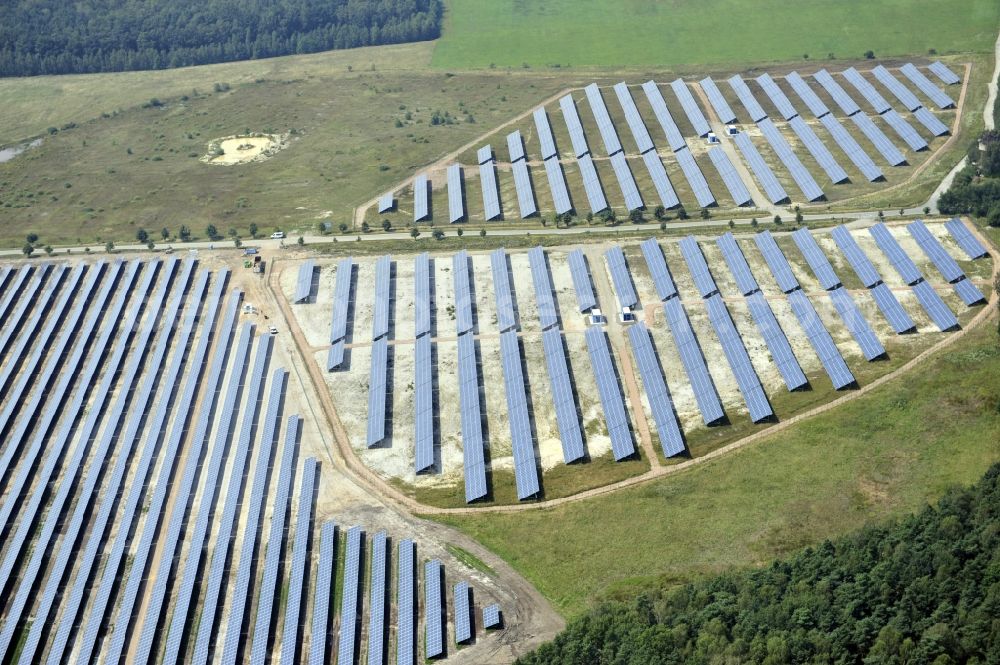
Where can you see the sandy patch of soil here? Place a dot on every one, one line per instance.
(232, 150)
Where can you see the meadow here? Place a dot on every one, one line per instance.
(885, 454)
(614, 33)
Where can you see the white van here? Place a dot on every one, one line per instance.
(277, 235)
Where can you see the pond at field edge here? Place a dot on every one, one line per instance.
(7, 154)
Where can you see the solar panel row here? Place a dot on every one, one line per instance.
(433, 610)
(421, 197)
(463, 293)
(383, 297)
(698, 267)
(350, 600)
(557, 186)
(658, 270)
(945, 265)
(765, 176)
(777, 96)
(38, 304)
(547, 144)
(456, 200)
(820, 340)
(891, 309)
(776, 341)
(734, 183)
(502, 291)
(633, 201)
(737, 263)
(806, 94)
(881, 142)
(939, 312)
(515, 146)
(941, 70)
(604, 125)
(422, 294)
(718, 102)
(851, 148)
(488, 184)
(491, 616)
(691, 108)
(378, 388)
(423, 404)
(898, 90)
(749, 102)
(522, 441)
(621, 277)
(930, 122)
(297, 574)
(463, 612)
(573, 125)
(816, 259)
(341, 301)
(321, 599)
(548, 313)
(484, 154)
(904, 131)
(668, 197)
(867, 90)
(406, 607)
(609, 391)
(862, 265)
(379, 590)
(776, 261)
(386, 202)
(662, 113)
(799, 173)
(856, 323)
(472, 428)
(924, 84)
(592, 185)
(840, 97)
(702, 193)
(580, 274)
(638, 128)
(662, 407)
(818, 150)
(525, 194)
(963, 236)
(739, 360)
(567, 418)
(693, 361)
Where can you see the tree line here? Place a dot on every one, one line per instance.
(58, 37)
(976, 188)
(922, 590)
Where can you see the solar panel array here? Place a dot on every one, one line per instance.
(570, 434)
(776, 341)
(456, 203)
(765, 176)
(816, 259)
(856, 324)
(433, 610)
(488, 183)
(303, 285)
(662, 113)
(799, 173)
(749, 102)
(557, 185)
(421, 198)
(930, 122)
(658, 270)
(547, 144)
(818, 150)
(341, 307)
(621, 277)
(592, 184)
(638, 128)
(718, 102)
(668, 197)
(693, 361)
(472, 427)
(604, 125)
(820, 340)
(945, 265)
(806, 94)
(379, 591)
(898, 90)
(891, 154)
(963, 236)
(296, 577)
(522, 441)
(935, 307)
(739, 360)
(851, 148)
(891, 309)
(695, 178)
(734, 183)
(386, 202)
(609, 391)
(350, 601)
(321, 600)
(573, 126)
(406, 606)
(941, 70)
(691, 108)
(491, 616)
(633, 200)
(777, 96)
(463, 612)
(867, 90)
(585, 298)
(660, 404)
(840, 97)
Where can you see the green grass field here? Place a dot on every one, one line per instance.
(885, 454)
(614, 33)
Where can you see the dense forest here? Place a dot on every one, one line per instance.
(59, 37)
(925, 589)
(976, 188)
